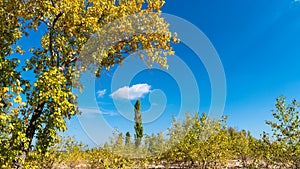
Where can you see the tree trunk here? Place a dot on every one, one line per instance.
(30, 131)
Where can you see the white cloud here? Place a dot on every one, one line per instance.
(94, 110)
(131, 93)
(101, 93)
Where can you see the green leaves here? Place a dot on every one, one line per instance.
(138, 126)
(286, 132)
(197, 141)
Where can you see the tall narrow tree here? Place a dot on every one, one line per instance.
(127, 139)
(138, 127)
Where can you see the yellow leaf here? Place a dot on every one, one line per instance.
(18, 99)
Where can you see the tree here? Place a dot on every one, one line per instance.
(198, 142)
(119, 143)
(155, 143)
(127, 139)
(36, 108)
(286, 132)
(138, 127)
(286, 127)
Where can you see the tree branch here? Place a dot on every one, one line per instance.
(67, 63)
(51, 36)
(53, 4)
(42, 20)
(32, 123)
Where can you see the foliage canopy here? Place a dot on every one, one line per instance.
(37, 107)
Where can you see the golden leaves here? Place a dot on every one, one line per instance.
(54, 91)
(15, 111)
(120, 28)
(4, 90)
(18, 99)
(80, 20)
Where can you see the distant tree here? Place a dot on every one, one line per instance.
(106, 146)
(286, 127)
(198, 142)
(138, 123)
(127, 138)
(155, 143)
(286, 132)
(120, 140)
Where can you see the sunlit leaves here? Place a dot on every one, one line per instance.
(287, 126)
(286, 132)
(197, 142)
(37, 107)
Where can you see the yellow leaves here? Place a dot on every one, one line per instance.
(77, 22)
(10, 126)
(18, 90)
(18, 82)
(7, 99)
(171, 52)
(19, 50)
(18, 99)
(15, 111)
(45, 41)
(155, 4)
(175, 38)
(68, 25)
(53, 90)
(4, 90)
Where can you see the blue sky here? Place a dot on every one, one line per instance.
(257, 42)
(258, 45)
